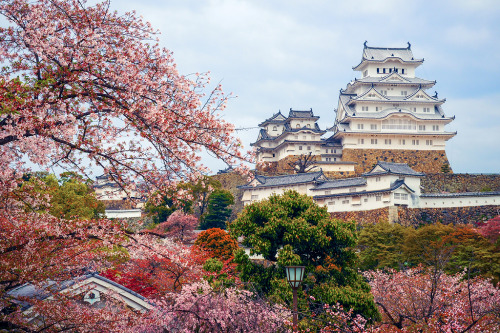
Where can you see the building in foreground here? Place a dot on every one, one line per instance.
(386, 184)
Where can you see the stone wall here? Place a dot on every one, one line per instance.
(428, 161)
(282, 167)
(456, 215)
(364, 217)
(421, 216)
(458, 182)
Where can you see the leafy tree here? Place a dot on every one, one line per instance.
(428, 300)
(179, 226)
(382, 245)
(445, 168)
(69, 198)
(200, 191)
(160, 209)
(81, 85)
(292, 230)
(218, 211)
(217, 242)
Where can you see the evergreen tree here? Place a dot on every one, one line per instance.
(218, 211)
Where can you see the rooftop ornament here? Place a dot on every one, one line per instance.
(294, 276)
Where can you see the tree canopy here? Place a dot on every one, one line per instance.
(292, 230)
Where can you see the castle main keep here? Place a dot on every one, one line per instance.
(385, 115)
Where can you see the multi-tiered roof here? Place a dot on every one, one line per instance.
(389, 100)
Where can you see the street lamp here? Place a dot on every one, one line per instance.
(294, 276)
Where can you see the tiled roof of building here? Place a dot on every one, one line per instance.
(347, 182)
(299, 178)
(394, 168)
(382, 53)
(397, 184)
(301, 114)
(408, 80)
(277, 118)
(31, 291)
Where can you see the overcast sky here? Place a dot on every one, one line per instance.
(277, 55)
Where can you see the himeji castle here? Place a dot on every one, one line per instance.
(386, 115)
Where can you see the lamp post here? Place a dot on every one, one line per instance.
(294, 276)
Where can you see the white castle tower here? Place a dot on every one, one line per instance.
(388, 114)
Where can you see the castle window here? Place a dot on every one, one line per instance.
(365, 73)
(402, 71)
(364, 108)
(378, 198)
(378, 70)
(361, 141)
(373, 141)
(390, 70)
(298, 126)
(330, 203)
(415, 142)
(402, 142)
(435, 127)
(384, 70)
(427, 110)
(308, 125)
(421, 127)
(345, 202)
(377, 108)
(308, 147)
(334, 159)
(300, 147)
(387, 141)
(377, 179)
(274, 155)
(396, 70)
(428, 142)
(404, 92)
(414, 109)
(360, 126)
(373, 126)
(365, 200)
(255, 196)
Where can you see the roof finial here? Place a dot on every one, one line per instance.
(364, 44)
(409, 45)
(435, 94)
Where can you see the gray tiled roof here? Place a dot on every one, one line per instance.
(277, 118)
(29, 290)
(299, 178)
(301, 114)
(395, 168)
(409, 80)
(347, 182)
(398, 183)
(382, 53)
(460, 194)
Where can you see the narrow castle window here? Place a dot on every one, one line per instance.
(275, 128)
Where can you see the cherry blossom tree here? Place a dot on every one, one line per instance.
(179, 226)
(83, 83)
(429, 300)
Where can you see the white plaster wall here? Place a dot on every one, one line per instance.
(465, 201)
(332, 167)
(122, 214)
(366, 202)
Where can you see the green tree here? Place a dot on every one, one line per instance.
(70, 196)
(381, 245)
(160, 210)
(218, 210)
(292, 230)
